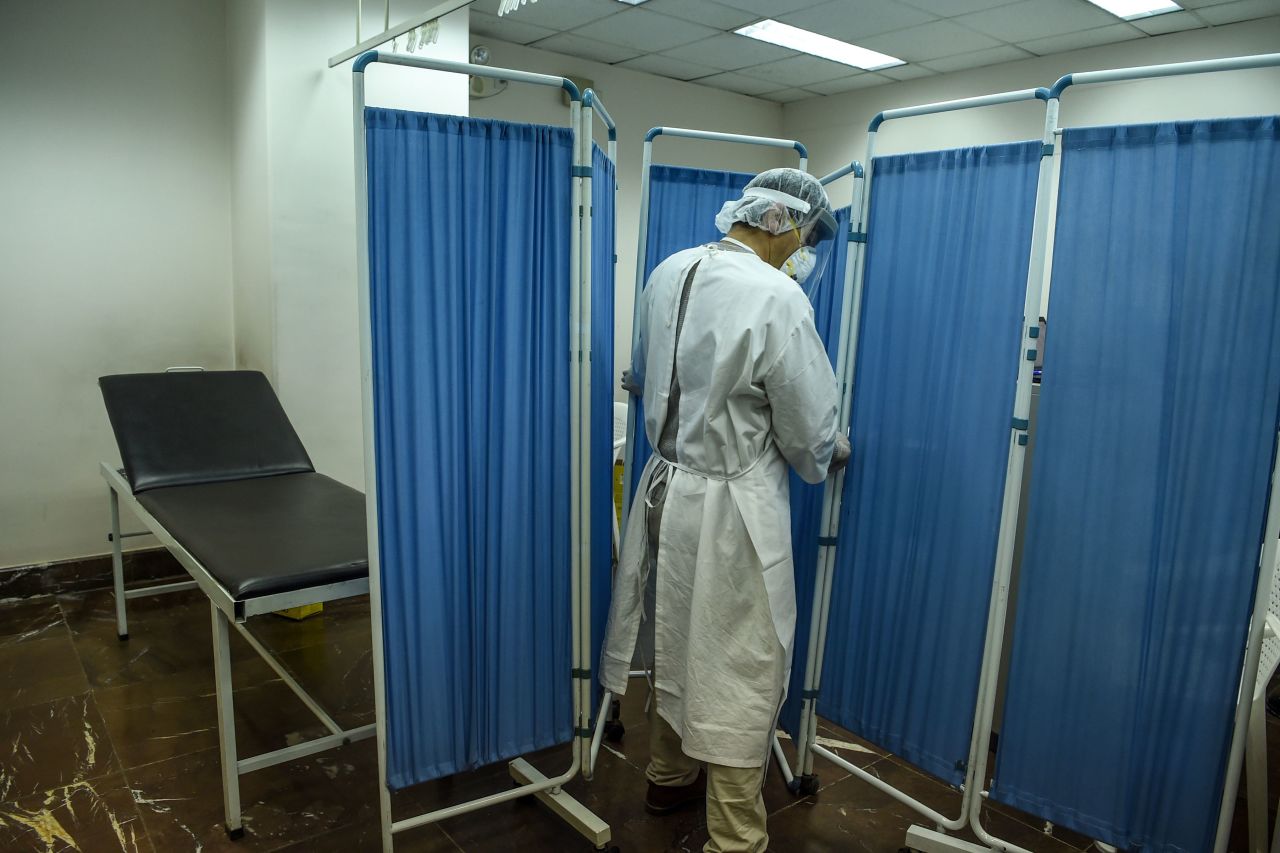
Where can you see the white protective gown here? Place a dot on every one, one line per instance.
(757, 393)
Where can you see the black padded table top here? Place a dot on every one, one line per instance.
(268, 535)
(175, 429)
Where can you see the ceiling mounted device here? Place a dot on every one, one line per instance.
(506, 7)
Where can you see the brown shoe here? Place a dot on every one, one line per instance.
(665, 799)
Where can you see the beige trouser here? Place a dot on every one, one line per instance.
(735, 805)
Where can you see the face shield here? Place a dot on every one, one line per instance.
(808, 263)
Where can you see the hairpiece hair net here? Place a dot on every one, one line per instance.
(766, 209)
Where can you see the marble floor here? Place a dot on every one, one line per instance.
(109, 745)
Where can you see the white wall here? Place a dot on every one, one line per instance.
(835, 127)
(295, 266)
(252, 291)
(114, 240)
(637, 101)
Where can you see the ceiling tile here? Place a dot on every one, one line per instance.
(739, 83)
(951, 8)
(1173, 22)
(666, 66)
(1036, 19)
(1081, 40)
(848, 84)
(909, 71)
(576, 45)
(991, 56)
(1166, 23)
(799, 71)
(556, 14)
(729, 52)
(506, 29)
(851, 20)
(767, 8)
(1244, 10)
(787, 96)
(929, 41)
(704, 12)
(1199, 4)
(646, 31)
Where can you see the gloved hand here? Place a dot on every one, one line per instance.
(631, 384)
(840, 456)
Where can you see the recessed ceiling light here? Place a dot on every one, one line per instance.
(1131, 9)
(633, 2)
(785, 35)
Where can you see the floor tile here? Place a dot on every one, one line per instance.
(181, 802)
(30, 619)
(53, 745)
(947, 800)
(167, 635)
(338, 676)
(366, 836)
(40, 669)
(177, 714)
(98, 816)
(341, 623)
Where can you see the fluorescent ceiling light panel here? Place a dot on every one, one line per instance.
(1131, 9)
(785, 35)
(633, 2)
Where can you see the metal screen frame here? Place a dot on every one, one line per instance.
(1004, 554)
(852, 263)
(529, 782)
(833, 492)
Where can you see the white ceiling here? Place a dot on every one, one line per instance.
(694, 39)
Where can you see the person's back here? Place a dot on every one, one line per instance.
(739, 314)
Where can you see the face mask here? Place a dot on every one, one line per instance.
(801, 263)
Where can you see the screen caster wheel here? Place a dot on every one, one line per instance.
(804, 786)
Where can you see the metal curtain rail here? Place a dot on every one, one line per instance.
(833, 491)
(529, 781)
(1004, 553)
(591, 103)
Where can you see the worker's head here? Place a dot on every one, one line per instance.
(789, 219)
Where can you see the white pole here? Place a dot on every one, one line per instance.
(584, 141)
(370, 455)
(117, 567)
(1003, 571)
(576, 499)
(714, 136)
(951, 106)
(1173, 69)
(846, 364)
(846, 357)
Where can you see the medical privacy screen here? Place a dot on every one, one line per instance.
(469, 250)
